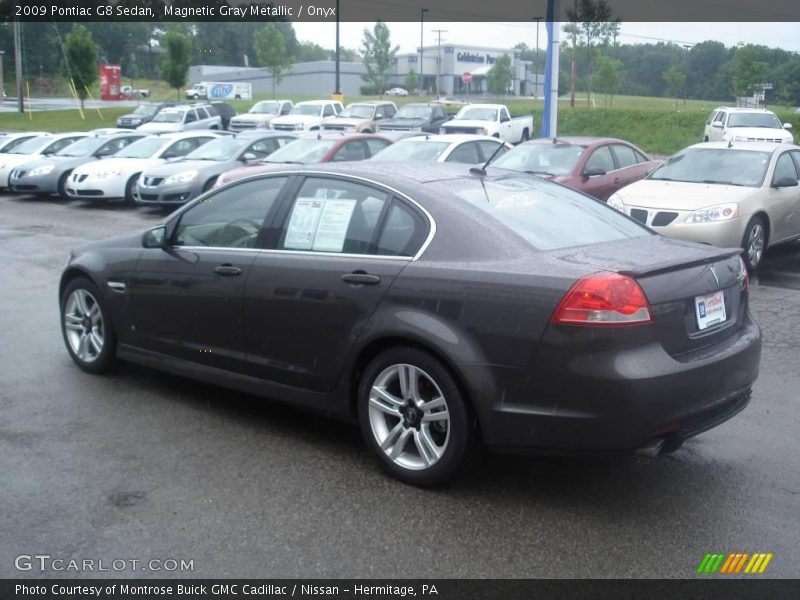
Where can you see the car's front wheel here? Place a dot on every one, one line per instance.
(86, 326)
(414, 416)
(754, 242)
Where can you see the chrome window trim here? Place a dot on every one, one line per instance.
(399, 194)
(303, 252)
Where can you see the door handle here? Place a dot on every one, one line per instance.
(361, 278)
(227, 270)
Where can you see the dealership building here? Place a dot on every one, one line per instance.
(461, 70)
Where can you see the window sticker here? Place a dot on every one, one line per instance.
(319, 224)
(333, 224)
(303, 224)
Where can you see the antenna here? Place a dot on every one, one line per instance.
(482, 170)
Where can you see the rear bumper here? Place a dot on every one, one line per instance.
(611, 400)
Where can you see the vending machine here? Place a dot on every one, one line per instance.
(110, 82)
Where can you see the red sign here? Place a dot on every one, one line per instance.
(110, 80)
(466, 77)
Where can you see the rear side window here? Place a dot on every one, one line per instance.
(626, 157)
(403, 232)
(545, 215)
(465, 153)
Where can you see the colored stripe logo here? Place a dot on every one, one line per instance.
(737, 562)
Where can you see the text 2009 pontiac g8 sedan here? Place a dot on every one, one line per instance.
(438, 306)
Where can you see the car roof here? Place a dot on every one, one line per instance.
(314, 102)
(451, 138)
(579, 140)
(340, 135)
(753, 146)
(492, 106)
(263, 133)
(743, 109)
(371, 102)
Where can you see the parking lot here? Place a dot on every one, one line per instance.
(142, 465)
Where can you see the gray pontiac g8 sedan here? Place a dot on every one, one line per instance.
(439, 307)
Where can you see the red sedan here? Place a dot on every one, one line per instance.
(595, 166)
(319, 148)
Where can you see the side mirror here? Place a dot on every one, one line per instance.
(248, 156)
(155, 238)
(594, 171)
(717, 124)
(785, 182)
(787, 125)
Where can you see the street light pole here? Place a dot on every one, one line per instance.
(536, 62)
(18, 66)
(439, 63)
(337, 91)
(422, 12)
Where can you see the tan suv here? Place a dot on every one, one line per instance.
(360, 117)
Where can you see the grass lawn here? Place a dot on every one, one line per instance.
(657, 125)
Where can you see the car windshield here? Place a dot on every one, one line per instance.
(414, 112)
(142, 149)
(83, 147)
(145, 110)
(218, 150)
(715, 165)
(358, 111)
(266, 108)
(547, 216)
(33, 145)
(541, 159)
(767, 120)
(302, 151)
(309, 109)
(416, 150)
(168, 116)
(477, 114)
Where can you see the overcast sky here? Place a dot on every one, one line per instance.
(505, 35)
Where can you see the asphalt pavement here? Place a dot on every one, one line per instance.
(140, 465)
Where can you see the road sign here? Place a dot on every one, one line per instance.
(466, 77)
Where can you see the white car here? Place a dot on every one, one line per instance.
(731, 195)
(9, 141)
(727, 124)
(307, 116)
(469, 149)
(34, 149)
(114, 178)
(397, 91)
(183, 118)
(260, 115)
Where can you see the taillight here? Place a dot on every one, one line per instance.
(604, 299)
(743, 277)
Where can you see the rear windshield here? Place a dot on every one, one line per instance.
(546, 215)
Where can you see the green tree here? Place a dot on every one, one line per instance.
(81, 59)
(748, 71)
(412, 80)
(607, 77)
(378, 56)
(676, 82)
(500, 76)
(308, 51)
(271, 52)
(177, 56)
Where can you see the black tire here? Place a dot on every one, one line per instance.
(705, 139)
(756, 228)
(452, 440)
(62, 184)
(98, 362)
(129, 199)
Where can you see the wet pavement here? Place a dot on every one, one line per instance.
(139, 465)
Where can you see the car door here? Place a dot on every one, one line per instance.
(505, 126)
(602, 184)
(186, 299)
(308, 299)
(783, 203)
(718, 127)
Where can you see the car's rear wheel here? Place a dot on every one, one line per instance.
(754, 242)
(414, 416)
(86, 327)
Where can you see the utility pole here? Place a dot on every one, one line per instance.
(2, 87)
(536, 62)
(18, 66)
(574, 49)
(422, 12)
(337, 91)
(439, 63)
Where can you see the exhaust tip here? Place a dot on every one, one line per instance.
(652, 448)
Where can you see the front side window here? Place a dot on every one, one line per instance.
(183, 147)
(328, 112)
(601, 159)
(331, 215)
(784, 168)
(375, 145)
(231, 218)
(464, 153)
(59, 145)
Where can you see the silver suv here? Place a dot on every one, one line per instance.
(185, 117)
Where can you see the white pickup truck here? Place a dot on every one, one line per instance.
(490, 119)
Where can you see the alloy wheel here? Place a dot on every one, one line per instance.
(84, 326)
(755, 244)
(409, 417)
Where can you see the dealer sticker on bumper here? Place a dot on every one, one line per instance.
(710, 310)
